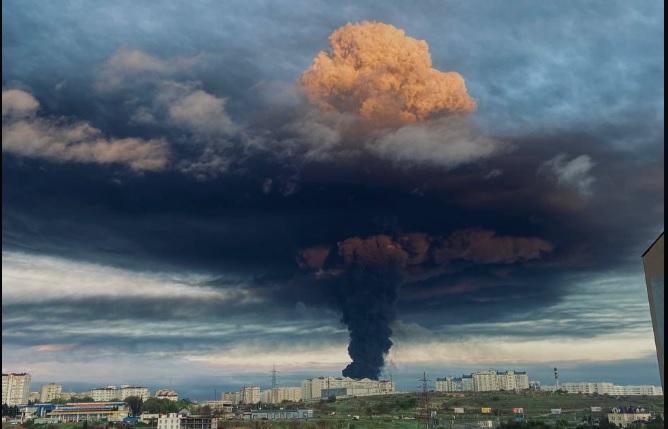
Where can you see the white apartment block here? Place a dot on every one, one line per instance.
(126, 391)
(280, 394)
(484, 381)
(455, 384)
(603, 388)
(49, 392)
(15, 388)
(169, 421)
(312, 387)
(167, 394)
(109, 393)
(249, 395)
(232, 397)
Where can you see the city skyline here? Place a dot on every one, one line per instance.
(202, 388)
(209, 190)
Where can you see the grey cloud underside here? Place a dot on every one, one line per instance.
(230, 225)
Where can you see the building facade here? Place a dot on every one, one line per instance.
(280, 394)
(232, 397)
(183, 421)
(49, 392)
(221, 407)
(653, 264)
(91, 411)
(249, 395)
(622, 416)
(604, 388)
(15, 388)
(312, 388)
(169, 421)
(484, 381)
(279, 414)
(111, 393)
(167, 394)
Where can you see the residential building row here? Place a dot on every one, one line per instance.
(324, 387)
(484, 381)
(310, 389)
(603, 388)
(16, 391)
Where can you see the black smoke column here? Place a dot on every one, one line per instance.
(366, 295)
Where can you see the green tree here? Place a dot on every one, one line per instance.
(155, 406)
(135, 404)
(82, 399)
(85, 424)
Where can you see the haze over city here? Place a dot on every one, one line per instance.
(195, 192)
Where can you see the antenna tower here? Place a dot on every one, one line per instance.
(425, 420)
(556, 379)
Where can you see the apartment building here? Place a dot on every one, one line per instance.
(167, 394)
(484, 381)
(110, 393)
(49, 392)
(15, 388)
(603, 388)
(232, 397)
(249, 395)
(280, 394)
(313, 388)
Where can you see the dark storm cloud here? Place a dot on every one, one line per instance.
(565, 150)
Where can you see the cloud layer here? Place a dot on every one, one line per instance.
(61, 140)
(498, 226)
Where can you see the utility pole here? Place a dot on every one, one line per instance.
(425, 420)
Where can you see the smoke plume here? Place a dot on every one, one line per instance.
(367, 273)
(383, 76)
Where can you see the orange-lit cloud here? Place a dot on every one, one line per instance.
(60, 140)
(377, 72)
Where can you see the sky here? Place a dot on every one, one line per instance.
(193, 192)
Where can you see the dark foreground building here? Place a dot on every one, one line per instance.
(653, 263)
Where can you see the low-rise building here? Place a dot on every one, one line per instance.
(221, 407)
(303, 414)
(604, 388)
(185, 421)
(622, 416)
(91, 411)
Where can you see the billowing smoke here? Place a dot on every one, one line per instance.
(383, 76)
(366, 273)
(367, 296)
